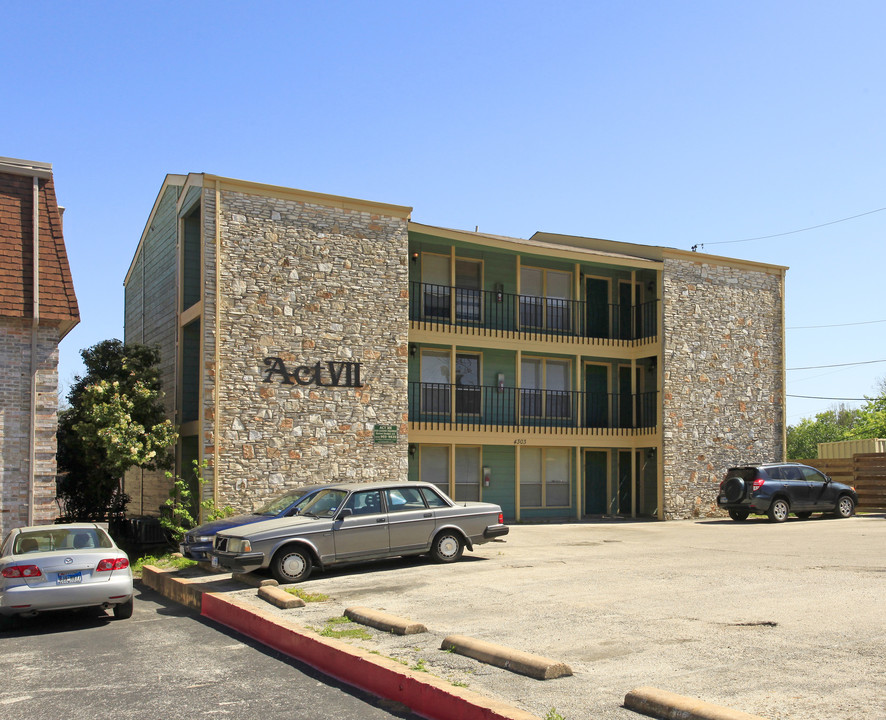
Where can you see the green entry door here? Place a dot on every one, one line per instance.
(597, 297)
(596, 396)
(596, 466)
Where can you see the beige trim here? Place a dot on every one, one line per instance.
(216, 410)
(305, 196)
(535, 247)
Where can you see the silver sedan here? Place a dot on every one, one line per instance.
(360, 521)
(59, 567)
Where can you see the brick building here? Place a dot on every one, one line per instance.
(311, 338)
(38, 308)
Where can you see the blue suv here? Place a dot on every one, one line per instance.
(778, 489)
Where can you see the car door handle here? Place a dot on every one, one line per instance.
(427, 515)
(380, 520)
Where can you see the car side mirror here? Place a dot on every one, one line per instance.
(345, 513)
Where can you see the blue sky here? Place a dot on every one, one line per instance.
(663, 123)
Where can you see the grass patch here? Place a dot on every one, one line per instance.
(333, 629)
(307, 596)
(164, 562)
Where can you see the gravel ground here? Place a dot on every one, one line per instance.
(782, 621)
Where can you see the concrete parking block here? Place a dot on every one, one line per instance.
(669, 706)
(384, 621)
(517, 661)
(279, 597)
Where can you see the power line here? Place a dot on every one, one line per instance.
(815, 327)
(818, 367)
(816, 397)
(791, 232)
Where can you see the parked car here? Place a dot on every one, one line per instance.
(59, 567)
(360, 521)
(778, 489)
(197, 543)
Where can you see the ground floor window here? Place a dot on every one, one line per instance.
(544, 477)
(467, 474)
(462, 485)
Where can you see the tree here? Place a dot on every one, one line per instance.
(115, 421)
(830, 426)
(871, 418)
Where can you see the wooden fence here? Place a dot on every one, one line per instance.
(866, 472)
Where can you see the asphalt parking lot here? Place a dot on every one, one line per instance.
(782, 621)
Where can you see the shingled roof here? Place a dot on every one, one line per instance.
(57, 301)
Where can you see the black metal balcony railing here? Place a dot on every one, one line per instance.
(544, 316)
(444, 404)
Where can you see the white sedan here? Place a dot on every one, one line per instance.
(59, 567)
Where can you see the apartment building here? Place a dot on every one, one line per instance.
(314, 338)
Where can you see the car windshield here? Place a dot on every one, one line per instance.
(279, 504)
(324, 503)
(60, 539)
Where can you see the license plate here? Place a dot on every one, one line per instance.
(69, 578)
(214, 561)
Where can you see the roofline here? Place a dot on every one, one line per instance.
(170, 180)
(658, 252)
(556, 245)
(28, 168)
(306, 196)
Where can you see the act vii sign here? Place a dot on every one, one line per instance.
(328, 374)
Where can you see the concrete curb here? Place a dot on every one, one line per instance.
(383, 621)
(669, 706)
(426, 695)
(535, 666)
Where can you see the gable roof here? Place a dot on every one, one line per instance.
(56, 297)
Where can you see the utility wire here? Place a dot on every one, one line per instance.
(818, 367)
(791, 232)
(816, 397)
(816, 327)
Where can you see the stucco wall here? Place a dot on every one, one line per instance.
(723, 378)
(305, 283)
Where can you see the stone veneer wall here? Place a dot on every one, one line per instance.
(723, 378)
(304, 282)
(15, 411)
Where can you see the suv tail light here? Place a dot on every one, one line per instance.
(758, 483)
(112, 564)
(22, 571)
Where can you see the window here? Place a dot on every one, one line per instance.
(545, 388)
(435, 278)
(467, 474)
(544, 477)
(435, 382)
(402, 499)
(544, 299)
(365, 502)
(434, 465)
(467, 381)
(468, 286)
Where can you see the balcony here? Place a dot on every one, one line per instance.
(484, 311)
(440, 406)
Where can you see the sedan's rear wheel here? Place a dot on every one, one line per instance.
(779, 510)
(123, 611)
(448, 547)
(291, 565)
(739, 515)
(845, 507)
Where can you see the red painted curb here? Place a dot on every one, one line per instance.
(424, 694)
